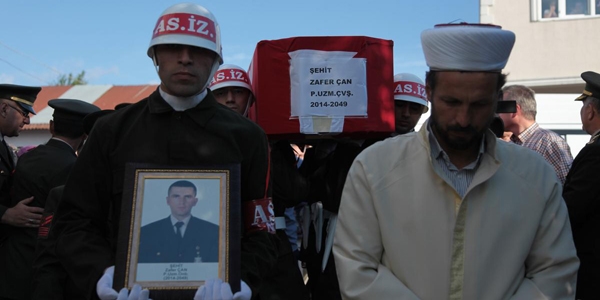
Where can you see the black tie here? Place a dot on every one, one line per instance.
(178, 226)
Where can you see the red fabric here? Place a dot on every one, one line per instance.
(259, 215)
(270, 75)
(185, 24)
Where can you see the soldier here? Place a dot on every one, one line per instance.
(50, 279)
(180, 124)
(580, 192)
(231, 86)
(16, 103)
(410, 101)
(37, 172)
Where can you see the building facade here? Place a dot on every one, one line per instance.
(556, 41)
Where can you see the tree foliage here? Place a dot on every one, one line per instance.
(69, 79)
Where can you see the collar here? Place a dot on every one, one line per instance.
(182, 103)
(594, 137)
(185, 221)
(437, 151)
(60, 140)
(525, 135)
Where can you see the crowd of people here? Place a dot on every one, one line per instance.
(451, 211)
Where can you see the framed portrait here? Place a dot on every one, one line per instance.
(178, 228)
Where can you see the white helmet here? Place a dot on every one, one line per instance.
(230, 75)
(187, 24)
(409, 87)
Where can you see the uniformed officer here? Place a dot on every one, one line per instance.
(50, 279)
(179, 124)
(232, 87)
(581, 192)
(37, 172)
(16, 103)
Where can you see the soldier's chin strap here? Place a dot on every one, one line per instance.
(248, 104)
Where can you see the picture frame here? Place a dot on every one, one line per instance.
(169, 259)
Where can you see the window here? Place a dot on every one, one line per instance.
(566, 9)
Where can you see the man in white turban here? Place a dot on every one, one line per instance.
(448, 212)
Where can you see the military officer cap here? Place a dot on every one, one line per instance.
(24, 96)
(592, 85)
(69, 114)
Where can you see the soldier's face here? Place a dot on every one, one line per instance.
(14, 118)
(183, 70)
(181, 200)
(407, 115)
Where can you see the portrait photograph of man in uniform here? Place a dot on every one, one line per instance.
(179, 237)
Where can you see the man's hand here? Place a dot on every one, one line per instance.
(22, 215)
(106, 292)
(216, 289)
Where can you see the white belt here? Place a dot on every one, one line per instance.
(280, 222)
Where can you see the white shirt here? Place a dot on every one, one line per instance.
(183, 227)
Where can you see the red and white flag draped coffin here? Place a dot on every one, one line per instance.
(310, 86)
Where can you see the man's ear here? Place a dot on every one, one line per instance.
(590, 112)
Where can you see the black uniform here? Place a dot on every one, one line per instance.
(38, 171)
(24, 97)
(285, 281)
(327, 165)
(50, 279)
(582, 197)
(150, 131)
(7, 161)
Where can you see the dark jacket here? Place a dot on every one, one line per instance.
(50, 279)
(7, 162)
(151, 132)
(285, 281)
(37, 171)
(582, 196)
(160, 244)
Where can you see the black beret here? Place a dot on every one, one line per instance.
(22, 95)
(592, 85)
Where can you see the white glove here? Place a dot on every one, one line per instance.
(244, 294)
(106, 292)
(216, 289)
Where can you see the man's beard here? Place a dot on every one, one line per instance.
(458, 143)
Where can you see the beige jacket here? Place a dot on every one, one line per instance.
(404, 233)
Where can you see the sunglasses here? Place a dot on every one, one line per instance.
(25, 114)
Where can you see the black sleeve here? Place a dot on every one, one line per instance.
(49, 277)
(258, 249)
(84, 241)
(327, 181)
(289, 186)
(581, 192)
